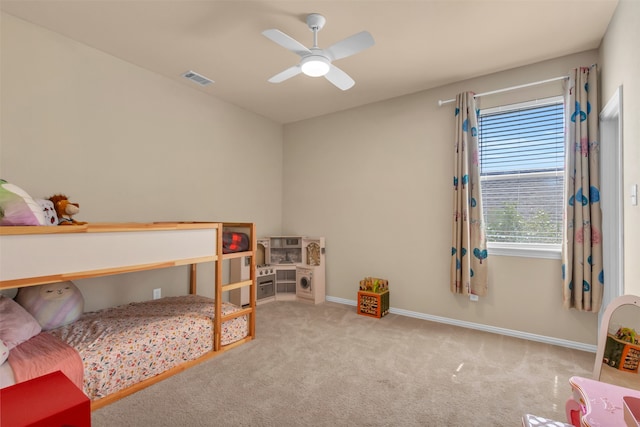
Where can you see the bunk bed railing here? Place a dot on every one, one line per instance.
(34, 255)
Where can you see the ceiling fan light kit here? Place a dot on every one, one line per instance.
(315, 65)
(316, 62)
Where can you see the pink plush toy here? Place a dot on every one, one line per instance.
(53, 304)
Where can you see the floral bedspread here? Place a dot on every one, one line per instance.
(121, 346)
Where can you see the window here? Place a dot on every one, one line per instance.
(522, 170)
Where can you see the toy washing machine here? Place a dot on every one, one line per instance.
(304, 283)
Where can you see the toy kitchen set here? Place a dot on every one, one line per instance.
(287, 268)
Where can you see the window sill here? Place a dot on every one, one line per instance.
(525, 251)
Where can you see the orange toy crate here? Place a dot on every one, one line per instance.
(622, 355)
(630, 360)
(373, 304)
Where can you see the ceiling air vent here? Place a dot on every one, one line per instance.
(198, 78)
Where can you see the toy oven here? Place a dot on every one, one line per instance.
(265, 286)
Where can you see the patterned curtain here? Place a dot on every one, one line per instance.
(469, 248)
(582, 273)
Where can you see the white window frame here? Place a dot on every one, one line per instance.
(525, 250)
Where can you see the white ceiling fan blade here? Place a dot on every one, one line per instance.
(286, 74)
(351, 45)
(339, 78)
(287, 42)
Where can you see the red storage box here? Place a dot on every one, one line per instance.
(51, 400)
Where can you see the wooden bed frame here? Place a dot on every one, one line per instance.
(33, 255)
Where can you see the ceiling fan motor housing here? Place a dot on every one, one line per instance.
(315, 21)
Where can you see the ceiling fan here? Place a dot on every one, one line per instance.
(316, 62)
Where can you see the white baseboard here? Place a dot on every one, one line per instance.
(493, 329)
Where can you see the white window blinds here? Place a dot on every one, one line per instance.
(522, 167)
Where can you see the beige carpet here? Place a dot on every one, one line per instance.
(327, 366)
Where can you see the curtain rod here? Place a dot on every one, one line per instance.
(441, 102)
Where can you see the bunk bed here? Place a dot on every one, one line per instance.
(35, 255)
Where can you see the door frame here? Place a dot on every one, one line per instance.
(612, 189)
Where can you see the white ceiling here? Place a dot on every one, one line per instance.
(420, 44)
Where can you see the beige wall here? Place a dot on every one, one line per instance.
(620, 57)
(129, 145)
(375, 181)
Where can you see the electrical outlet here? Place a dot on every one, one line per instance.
(157, 293)
(473, 297)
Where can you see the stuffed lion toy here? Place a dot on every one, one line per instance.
(65, 210)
